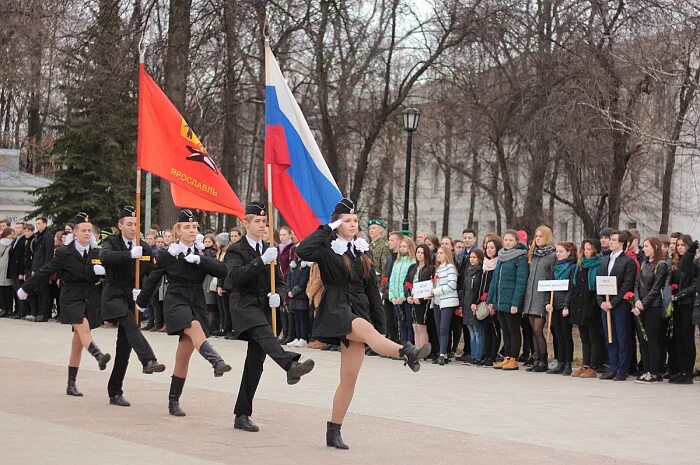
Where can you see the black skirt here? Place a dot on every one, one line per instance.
(79, 301)
(419, 312)
(339, 306)
(181, 306)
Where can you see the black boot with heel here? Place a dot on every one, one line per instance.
(333, 438)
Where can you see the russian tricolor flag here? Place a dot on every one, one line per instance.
(303, 188)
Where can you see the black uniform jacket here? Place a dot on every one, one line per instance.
(184, 299)
(117, 298)
(80, 288)
(344, 297)
(249, 281)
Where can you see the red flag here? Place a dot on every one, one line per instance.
(167, 147)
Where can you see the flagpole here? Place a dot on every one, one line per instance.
(137, 275)
(271, 237)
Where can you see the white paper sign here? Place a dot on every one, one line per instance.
(606, 285)
(552, 285)
(422, 289)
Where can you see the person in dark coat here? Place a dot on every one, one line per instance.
(563, 270)
(297, 279)
(684, 276)
(584, 310)
(624, 268)
(28, 305)
(43, 253)
(184, 305)
(16, 268)
(251, 304)
(350, 312)
(80, 268)
(118, 256)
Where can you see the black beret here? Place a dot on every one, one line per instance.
(127, 212)
(344, 206)
(606, 232)
(81, 217)
(186, 216)
(255, 208)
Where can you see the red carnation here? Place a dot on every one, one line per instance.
(458, 312)
(484, 296)
(408, 284)
(629, 295)
(384, 281)
(674, 287)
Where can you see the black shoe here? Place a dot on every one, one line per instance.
(71, 389)
(333, 438)
(174, 408)
(534, 365)
(412, 355)
(148, 327)
(604, 368)
(16, 316)
(152, 366)
(540, 367)
(40, 319)
(557, 369)
(3, 313)
(299, 369)
(607, 376)
(102, 359)
(119, 401)
(441, 360)
(619, 378)
(669, 375)
(567, 369)
(245, 423)
(486, 363)
(523, 358)
(681, 379)
(462, 358)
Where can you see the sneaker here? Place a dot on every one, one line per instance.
(470, 362)
(500, 364)
(553, 364)
(441, 360)
(645, 378)
(487, 363)
(292, 343)
(577, 372)
(301, 343)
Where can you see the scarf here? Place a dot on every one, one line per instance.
(490, 263)
(473, 270)
(284, 245)
(562, 268)
(544, 251)
(506, 255)
(591, 264)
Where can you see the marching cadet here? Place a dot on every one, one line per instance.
(118, 256)
(184, 304)
(350, 313)
(251, 302)
(80, 269)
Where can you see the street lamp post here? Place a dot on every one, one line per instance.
(410, 117)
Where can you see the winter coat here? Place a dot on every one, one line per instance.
(509, 281)
(297, 279)
(471, 285)
(398, 277)
(445, 291)
(650, 284)
(583, 305)
(380, 253)
(5, 249)
(541, 268)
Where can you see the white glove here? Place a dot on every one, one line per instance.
(68, 238)
(174, 249)
(136, 251)
(21, 294)
(140, 309)
(199, 238)
(269, 255)
(99, 270)
(305, 264)
(193, 258)
(93, 241)
(274, 300)
(199, 245)
(135, 294)
(334, 225)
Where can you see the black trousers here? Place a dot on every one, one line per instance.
(684, 335)
(261, 342)
(511, 333)
(456, 334)
(6, 300)
(528, 345)
(392, 326)
(224, 318)
(593, 345)
(650, 347)
(43, 301)
(21, 306)
(562, 332)
(492, 336)
(128, 336)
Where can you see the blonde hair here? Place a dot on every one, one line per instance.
(548, 236)
(411, 246)
(449, 255)
(176, 231)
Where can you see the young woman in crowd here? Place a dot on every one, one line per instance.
(564, 269)
(684, 276)
(80, 268)
(298, 303)
(433, 242)
(422, 270)
(184, 304)
(584, 311)
(350, 301)
(6, 297)
(471, 287)
(491, 325)
(222, 243)
(402, 311)
(506, 295)
(648, 308)
(542, 258)
(446, 298)
(287, 252)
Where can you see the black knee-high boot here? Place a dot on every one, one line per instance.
(102, 359)
(72, 390)
(212, 356)
(333, 438)
(176, 385)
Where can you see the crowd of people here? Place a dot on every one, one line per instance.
(484, 308)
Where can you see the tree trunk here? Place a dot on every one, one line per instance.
(446, 203)
(230, 157)
(473, 189)
(176, 71)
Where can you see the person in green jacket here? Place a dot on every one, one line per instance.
(506, 295)
(379, 246)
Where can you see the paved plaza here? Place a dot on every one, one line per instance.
(441, 415)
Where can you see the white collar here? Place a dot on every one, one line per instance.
(614, 255)
(80, 248)
(253, 243)
(340, 245)
(126, 242)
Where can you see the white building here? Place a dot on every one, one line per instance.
(16, 187)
